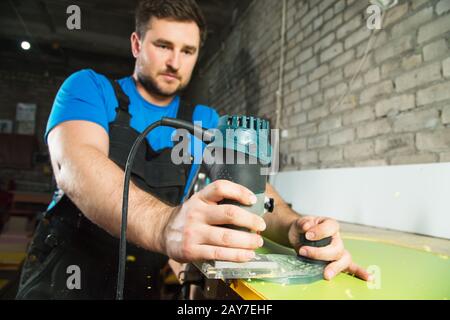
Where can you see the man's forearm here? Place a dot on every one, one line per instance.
(95, 184)
(279, 221)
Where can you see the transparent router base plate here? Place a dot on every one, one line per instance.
(279, 268)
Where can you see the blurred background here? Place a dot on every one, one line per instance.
(37, 53)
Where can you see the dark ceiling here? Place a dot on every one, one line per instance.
(103, 41)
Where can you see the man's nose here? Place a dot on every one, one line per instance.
(174, 60)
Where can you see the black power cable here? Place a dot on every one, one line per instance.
(197, 131)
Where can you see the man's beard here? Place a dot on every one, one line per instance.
(151, 86)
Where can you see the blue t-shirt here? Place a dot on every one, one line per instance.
(89, 96)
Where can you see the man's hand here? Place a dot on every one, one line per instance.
(194, 230)
(317, 228)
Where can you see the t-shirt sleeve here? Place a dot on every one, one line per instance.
(79, 98)
(207, 115)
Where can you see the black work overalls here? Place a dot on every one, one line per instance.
(65, 237)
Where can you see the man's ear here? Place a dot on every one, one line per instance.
(135, 44)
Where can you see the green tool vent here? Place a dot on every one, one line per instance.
(247, 135)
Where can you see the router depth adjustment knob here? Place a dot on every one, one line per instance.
(269, 204)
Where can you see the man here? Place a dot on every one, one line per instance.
(90, 130)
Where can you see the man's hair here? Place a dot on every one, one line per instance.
(177, 10)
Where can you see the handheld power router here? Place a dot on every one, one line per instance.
(240, 152)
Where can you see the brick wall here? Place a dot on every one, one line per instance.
(31, 88)
(396, 112)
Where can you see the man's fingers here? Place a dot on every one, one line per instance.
(223, 189)
(334, 251)
(346, 264)
(326, 228)
(207, 252)
(358, 271)
(224, 237)
(230, 214)
(336, 267)
(304, 224)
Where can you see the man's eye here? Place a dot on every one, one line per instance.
(162, 46)
(187, 52)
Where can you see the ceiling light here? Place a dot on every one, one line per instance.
(25, 45)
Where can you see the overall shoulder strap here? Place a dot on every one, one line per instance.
(123, 115)
(185, 110)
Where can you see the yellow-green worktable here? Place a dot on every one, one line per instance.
(401, 273)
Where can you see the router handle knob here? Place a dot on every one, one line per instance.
(317, 243)
(314, 243)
